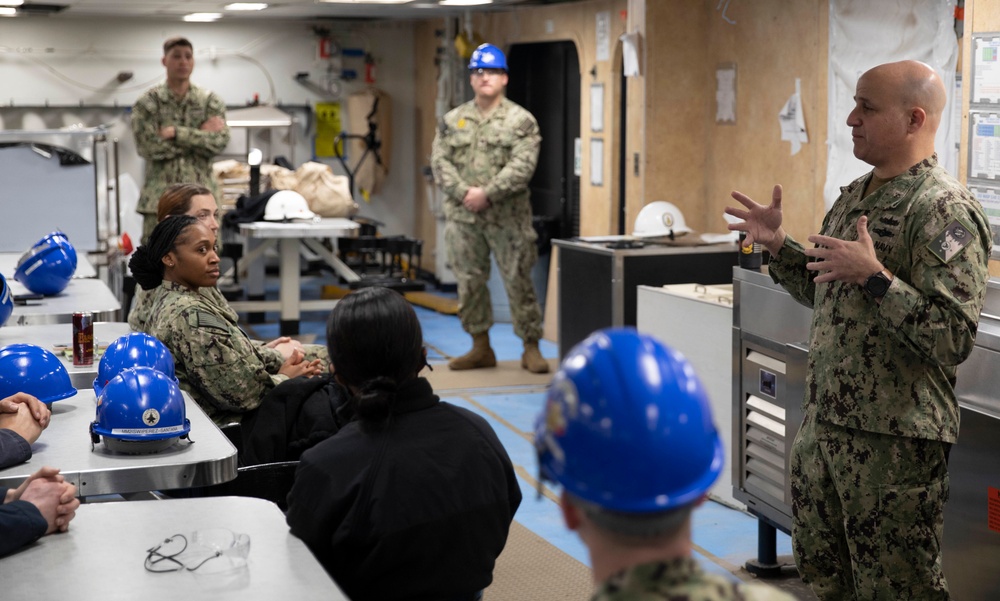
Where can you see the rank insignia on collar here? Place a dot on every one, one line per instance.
(460, 124)
(950, 242)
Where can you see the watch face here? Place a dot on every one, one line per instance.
(877, 284)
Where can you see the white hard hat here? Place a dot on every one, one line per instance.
(285, 205)
(660, 218)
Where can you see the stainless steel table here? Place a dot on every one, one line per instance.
(49, 336)
(8, 265)
(102, 556)
(65, 444)
(289, 237)
(82, 294)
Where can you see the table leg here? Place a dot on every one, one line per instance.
(291, 290)
(255, 275)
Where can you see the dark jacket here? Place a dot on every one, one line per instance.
(20, 521)
(14, 449)
(294, 416)
(418, 510)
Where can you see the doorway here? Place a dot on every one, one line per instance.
(545, 79)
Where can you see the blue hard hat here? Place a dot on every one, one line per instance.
(60, 239)
(135, 349)
(46, 268)
(6, 301)
(140, 404)
(627, 426)
(34, 370)
(487, 56)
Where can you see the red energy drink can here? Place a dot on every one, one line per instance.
(83, 339)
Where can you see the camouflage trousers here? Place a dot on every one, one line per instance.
(469, 246)
(868, 513)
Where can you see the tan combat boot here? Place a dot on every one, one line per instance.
(532, 359)
(481, 354)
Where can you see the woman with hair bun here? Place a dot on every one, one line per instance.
(217, 363)
(414, 498)
(197, 201)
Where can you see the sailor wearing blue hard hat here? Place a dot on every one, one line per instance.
(628, 433)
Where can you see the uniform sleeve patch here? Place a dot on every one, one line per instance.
(950, 242)
(207, 320)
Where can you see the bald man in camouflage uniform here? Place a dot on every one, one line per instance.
(179, 128)
(897, 280)
(483, 157)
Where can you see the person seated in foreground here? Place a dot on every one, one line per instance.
(42, 504)
(217, 363)
(628, 433)
(22, 419)
(45, 502)
(414, 498)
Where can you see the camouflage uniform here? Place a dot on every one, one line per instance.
(141, 313)
(223, 370)
(681, 579)
(187, 158)
(869, 474)
(498, 153)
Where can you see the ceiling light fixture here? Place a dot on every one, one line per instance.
(464, 2)
(7, 11)
(246, 6)
(202, 17)
(366, 1)
(11, 2)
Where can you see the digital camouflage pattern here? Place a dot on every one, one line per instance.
(188, 157)
(497, 152)
(681, 580)
(141, 313)
(868, 513)
(225, 371)
(890, 367)
(468, 246)
(885, 369)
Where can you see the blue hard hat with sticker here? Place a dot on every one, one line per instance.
(140, 404)
(627, 426)
(46, 268)
(487, 56)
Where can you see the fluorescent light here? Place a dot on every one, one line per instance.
(366, 1)
(7, 11)
(244, 6)
(464, 2)
(11, 3)
(202, 17)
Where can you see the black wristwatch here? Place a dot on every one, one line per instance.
(877, 285)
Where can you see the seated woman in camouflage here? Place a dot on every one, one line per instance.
(197, 201)
(217, 363)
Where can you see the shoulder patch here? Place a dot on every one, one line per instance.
(207, 320)
(951, 241)
(525, 126)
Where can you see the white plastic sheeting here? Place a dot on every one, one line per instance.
(864, 34)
